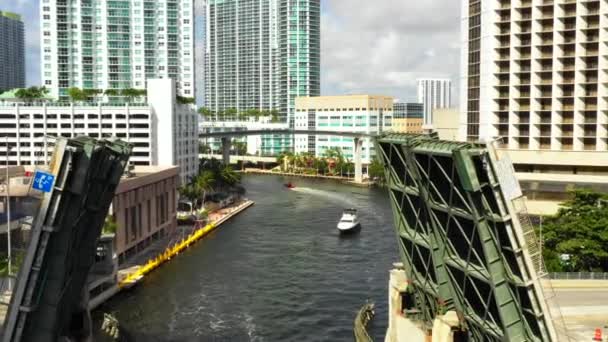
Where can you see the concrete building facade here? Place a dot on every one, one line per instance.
(350, 113)
(446, 122)
(261, 54)
(12, 51)
(100, 44)
(434, 93)
(408, 117)
(534, 74)
(144, 208)
(161, 131)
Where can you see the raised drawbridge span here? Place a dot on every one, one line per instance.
(466, 242)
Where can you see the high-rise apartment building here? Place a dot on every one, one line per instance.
(535, 73)
(119, 44)
(12, 51)
(261, 54)
(434, 93)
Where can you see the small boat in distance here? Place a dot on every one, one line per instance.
(349, 221)
(290, 185)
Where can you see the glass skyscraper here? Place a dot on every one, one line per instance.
(261, 54)
(116, 44)
(12, 51)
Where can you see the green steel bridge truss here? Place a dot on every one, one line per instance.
(50, 298)
(461, 241)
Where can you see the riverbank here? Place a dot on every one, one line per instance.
(278, 272)
(134, 270)
(347, 180)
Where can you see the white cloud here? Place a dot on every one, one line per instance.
(378, 46)
(382, 46)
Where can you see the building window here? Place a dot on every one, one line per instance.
(133, 223)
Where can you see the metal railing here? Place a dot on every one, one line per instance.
(578, 275)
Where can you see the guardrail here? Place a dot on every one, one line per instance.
(579, 275)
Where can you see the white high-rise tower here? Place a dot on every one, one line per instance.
(119, 44)
(434, 93)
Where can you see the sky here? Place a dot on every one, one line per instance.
(373, 47)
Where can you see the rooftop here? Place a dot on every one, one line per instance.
(10, 15)
(144, 175)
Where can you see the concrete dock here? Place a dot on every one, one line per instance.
(128, 269)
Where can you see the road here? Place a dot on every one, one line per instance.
(584, 309)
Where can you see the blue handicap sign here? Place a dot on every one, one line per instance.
(43, 181)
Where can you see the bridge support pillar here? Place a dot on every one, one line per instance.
(358, 162)
(226, 150)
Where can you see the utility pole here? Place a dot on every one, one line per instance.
(8, 216)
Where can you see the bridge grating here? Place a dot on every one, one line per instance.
(461, 240)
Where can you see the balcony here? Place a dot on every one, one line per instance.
(590, 133)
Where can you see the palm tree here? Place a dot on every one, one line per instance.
(284, 159)
(204, 182)
(229, 176)
(189, 192)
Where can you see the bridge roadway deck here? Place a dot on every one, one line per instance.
(584, 306)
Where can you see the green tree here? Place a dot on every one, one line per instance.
(206, 113)
(285, 160)
(230, 114)
(76, 94)
(112, 92)
(579, 230)
(204, 182)
(197, 188)
(185, 100)
(274, 116)
(92, 93)
(204, 148)
(109, 225)
(376, 171)
(240, 147)
(130, 94)
(31, 93)
(229, 176)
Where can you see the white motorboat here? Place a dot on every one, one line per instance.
(349, 221)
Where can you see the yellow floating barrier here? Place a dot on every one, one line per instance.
(165, 256)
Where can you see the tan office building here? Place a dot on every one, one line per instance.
(407, 125)
(144, 208)
(347, 113)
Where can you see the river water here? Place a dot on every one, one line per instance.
(277, 272)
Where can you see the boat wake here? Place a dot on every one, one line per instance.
(327, 194)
